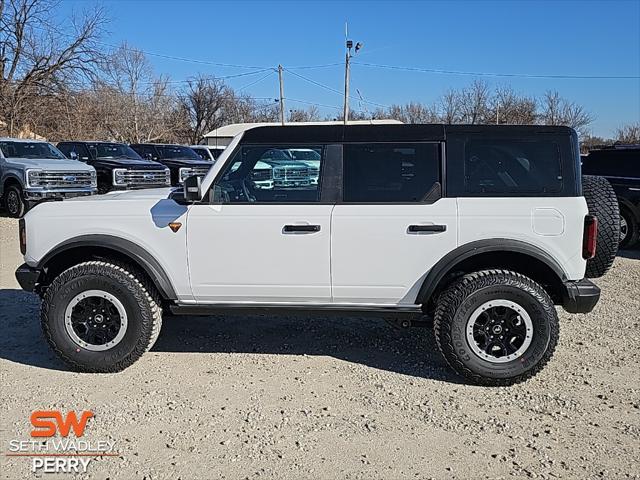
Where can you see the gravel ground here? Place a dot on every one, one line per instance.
(327, 398)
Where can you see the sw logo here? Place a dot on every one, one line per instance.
(47, 422)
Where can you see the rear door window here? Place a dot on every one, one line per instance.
(391, 172)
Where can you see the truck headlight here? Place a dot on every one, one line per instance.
(33, 178)
(94, 178)
(184, 173)
(167, 176)
(119, 177)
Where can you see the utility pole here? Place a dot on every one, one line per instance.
(282, 119)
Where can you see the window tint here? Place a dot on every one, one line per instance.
(37, 150)
(113, 150)
(512, 166)
(390, 172)
(176, 151)
(268, 174)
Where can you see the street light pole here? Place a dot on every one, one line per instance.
(347, 78)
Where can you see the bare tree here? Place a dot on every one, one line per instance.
(474, 103)
(628, 133)
(136, 105)
(38, 57)
(507, 107)
(311, 114)
(413, 112)
(204, 101)
(559, 111)
(449, 106)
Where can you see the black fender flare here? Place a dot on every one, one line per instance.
(447, 263)
(125, 247)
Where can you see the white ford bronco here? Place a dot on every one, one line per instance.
(483, 229)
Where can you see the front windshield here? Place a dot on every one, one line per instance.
(30, 150)
(177, 151)
(114, 150)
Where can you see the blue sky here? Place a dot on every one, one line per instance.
(580, 38)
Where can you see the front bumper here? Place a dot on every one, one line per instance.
(35, 194)
(28, 277)
(580, 296)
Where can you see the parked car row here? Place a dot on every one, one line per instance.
(32, 171)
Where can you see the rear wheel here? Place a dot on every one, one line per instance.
(629, 228)
(496, 327)
(603, 204)
(100, 317)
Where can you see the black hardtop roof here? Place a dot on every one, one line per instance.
(386, 132)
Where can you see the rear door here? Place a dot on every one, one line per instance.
(392, 225)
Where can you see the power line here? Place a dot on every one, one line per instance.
(308, 67)
(494, 74)
(321, 85)
(256, 81)
(331, 89)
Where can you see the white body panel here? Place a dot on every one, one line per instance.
(240, 253)
(373, 257)
(141, 217)
(553, 224)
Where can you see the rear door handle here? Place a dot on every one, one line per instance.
(300, 229)
(426, 228)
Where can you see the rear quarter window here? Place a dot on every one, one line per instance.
(533, 165)
(513, 166)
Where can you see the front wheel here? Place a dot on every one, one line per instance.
(14, 203)
(100, 317)
(496, 327)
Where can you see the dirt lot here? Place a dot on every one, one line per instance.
(348, 398)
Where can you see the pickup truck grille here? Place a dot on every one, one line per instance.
(200, 171)
(291, 174)
(145, 178)
(57, 179)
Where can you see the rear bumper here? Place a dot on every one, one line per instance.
(580, 296)
(28, 277)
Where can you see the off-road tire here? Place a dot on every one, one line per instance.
(139, 299)
(14, 203)
(464, 296)
(603, 204)
(633, 228)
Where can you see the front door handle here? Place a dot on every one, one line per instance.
(426, 228)
(300, 229)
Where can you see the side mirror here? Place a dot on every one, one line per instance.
(73, 156)
(192, 188)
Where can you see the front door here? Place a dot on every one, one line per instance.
(265, 236)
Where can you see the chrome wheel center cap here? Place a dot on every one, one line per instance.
(98, 318)
(497, 329)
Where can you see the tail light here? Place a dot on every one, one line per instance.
(22, 229)
(590, 237)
